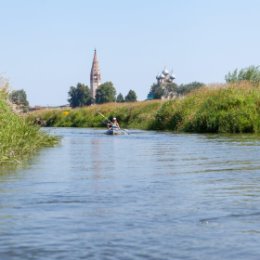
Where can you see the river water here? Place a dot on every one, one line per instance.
(146, 195)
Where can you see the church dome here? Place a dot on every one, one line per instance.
(172, 77)
(162, 76)
(165, 72)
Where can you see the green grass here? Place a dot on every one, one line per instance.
(231, 108)
(18, 138)
(133, 115)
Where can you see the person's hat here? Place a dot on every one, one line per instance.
(114, 118)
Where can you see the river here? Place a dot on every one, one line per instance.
(146, 195)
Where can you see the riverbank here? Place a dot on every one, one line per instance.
(18, 138)
(233, 108)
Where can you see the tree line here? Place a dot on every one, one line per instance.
(80, 95)
(168, 90)
(171, 90)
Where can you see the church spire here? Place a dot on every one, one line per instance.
(95, 76)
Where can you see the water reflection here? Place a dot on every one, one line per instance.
(95, 160)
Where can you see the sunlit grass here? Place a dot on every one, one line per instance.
(134, 115)
(219, 108)
(18, 138)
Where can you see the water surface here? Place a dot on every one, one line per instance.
(147, 195)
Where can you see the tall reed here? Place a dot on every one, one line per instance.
(18, 138)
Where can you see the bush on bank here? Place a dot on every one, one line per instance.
(232, 108)
(18, 138)
(216, 109)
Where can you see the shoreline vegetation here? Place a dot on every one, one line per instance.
(18, 138)
(220, 108)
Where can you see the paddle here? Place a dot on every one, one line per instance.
(104, 117)
(124, 130)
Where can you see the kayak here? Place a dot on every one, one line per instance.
(114, 131)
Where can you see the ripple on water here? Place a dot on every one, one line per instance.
(147, 195)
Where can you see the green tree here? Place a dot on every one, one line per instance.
(131, 96)
(19, 98)
(79, 96)
(120, 98)
(170, 90)
(184, 89)
(105, 93)
(251, 73)
(157, 91)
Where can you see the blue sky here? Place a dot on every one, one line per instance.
(46, 46)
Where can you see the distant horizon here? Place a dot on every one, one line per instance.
(48, 45)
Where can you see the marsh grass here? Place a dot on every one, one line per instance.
(18, 138)
(221, 108)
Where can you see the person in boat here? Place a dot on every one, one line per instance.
(113, 123)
